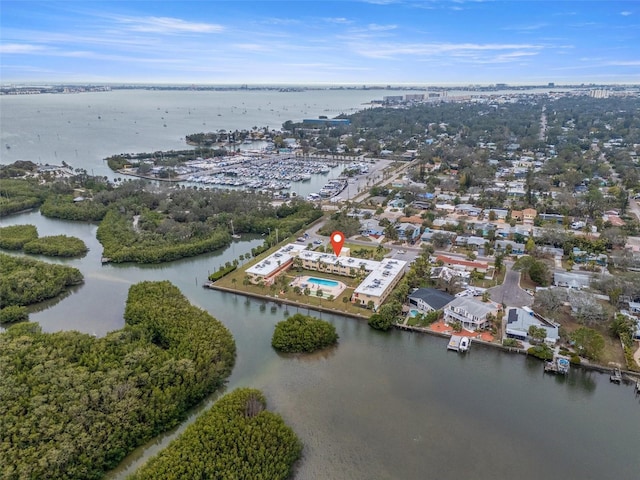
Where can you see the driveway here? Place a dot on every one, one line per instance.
(510, 292)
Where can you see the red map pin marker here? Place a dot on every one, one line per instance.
(337, 241)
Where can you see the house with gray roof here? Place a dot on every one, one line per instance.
(471, 313)
(520, 319)
(429, 299)
(571, 280)
(516, 248)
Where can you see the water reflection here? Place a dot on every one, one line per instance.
(324, 354)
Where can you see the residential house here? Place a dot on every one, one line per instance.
(414, 219)
(516, 248)
(429, 299)
(467, 209)
(442, 222)
(470, 241)
(421, 204)
(445, 207)
(581, 256)
(397, 203)
(520, 319)
(428, 233)
(529, 215)
(571, 279)
(459, 264)
(551, 218)
(471, 313)
(371, 228)
(500, 213)
(408, 232)
(448, 274)
(517, 215)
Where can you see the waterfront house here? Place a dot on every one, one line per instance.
(520, 319)
(427, 300)
(471, 313)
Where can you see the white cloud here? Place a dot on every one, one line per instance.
(167, 25)
(626, 13)
(624, 63)
(526, 28)
(381, 28)
(338, 20)
(390, 50)
(20, 48)
(252, 47)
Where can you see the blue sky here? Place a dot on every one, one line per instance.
(321, 42)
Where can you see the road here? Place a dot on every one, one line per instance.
(510, 292)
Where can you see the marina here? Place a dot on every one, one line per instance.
(252, 171)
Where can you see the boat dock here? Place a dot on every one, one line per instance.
(616, 376)
(458, 343)
(559, 365)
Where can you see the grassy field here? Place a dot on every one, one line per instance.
(612, 352)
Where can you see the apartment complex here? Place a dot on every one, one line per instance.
(379, 277)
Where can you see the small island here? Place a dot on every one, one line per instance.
(303, 333)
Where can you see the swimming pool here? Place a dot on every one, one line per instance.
(323, 282)
(413, 312)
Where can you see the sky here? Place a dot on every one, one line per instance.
(361, 42)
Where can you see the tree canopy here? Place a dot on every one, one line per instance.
(24, 281)
(303, 333)
(72, 405)
(235, 438)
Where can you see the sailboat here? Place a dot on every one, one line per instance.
(233, 232)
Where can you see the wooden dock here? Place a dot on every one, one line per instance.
(616, 376)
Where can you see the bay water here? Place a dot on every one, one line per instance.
(379, 405)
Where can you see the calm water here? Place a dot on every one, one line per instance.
(382, 406)
(378, 406)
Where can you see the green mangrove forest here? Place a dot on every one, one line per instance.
(72, 406)
(237, 438)
(303, 333)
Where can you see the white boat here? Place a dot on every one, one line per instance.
(458, 343)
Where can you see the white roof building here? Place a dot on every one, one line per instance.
(380, 278)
